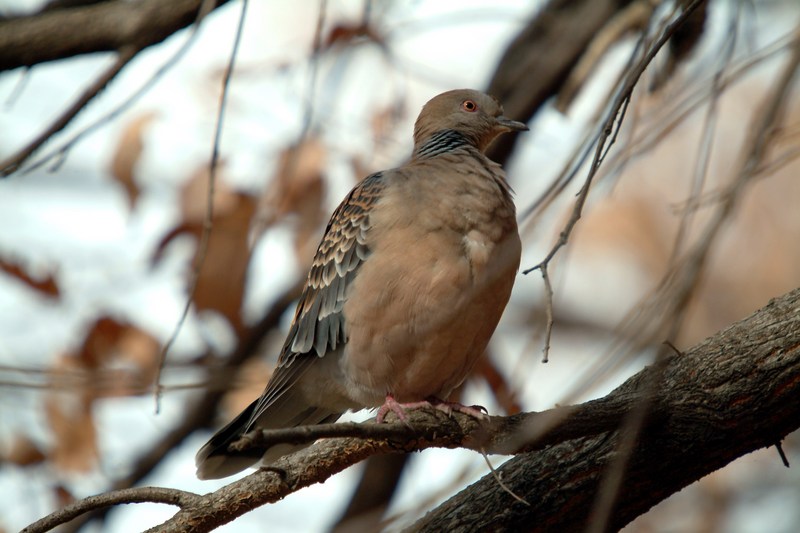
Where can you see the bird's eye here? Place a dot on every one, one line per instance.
(469, 105)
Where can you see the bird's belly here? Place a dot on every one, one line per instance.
(421, 332)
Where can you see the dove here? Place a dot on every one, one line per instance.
(405, 290)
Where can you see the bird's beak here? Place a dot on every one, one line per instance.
(511, 125)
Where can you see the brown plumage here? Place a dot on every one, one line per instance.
(406, 288)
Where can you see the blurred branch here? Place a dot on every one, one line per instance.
(76, 19)
(539, 60)
(208, 219)
(11, 164)
(610, 129)
(764, 128)
(634, 17)
(607, 136)
(731, 394)
(202, 413)
(105, 27)
(373, 494)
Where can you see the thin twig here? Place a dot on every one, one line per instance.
(202, 412)
(180, 498)
(500, 482)
(782, 454)
(12, 164)
(548, 330)
(707, 141)
(202, 248)
(16, 91)
(59, 153)
(632, 426)
(764, 127)
(668, 117)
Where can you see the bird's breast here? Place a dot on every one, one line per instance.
(429, 296)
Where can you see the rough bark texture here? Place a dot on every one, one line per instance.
(734, 393)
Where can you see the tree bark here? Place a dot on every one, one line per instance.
(734, 393)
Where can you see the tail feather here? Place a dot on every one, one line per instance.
(215, 461)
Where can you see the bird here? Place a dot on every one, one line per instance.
(405, 290)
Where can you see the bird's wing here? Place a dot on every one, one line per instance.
(318, 326)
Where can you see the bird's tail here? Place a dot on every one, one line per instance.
(215, 461)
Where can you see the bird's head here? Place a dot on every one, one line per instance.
(478, 116)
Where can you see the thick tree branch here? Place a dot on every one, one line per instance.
(103, 27)
(732, 394)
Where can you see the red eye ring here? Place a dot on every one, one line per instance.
(469, 106)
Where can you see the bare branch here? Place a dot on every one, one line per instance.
(104, 27)
(611, 126)
(202, 413)
(208, 219)
(126, 53)
(703, 424)
(136, 495)
(11, 164)
(729, 395)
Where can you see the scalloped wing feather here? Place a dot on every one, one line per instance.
(319, 325)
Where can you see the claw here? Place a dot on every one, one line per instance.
(390, 404)
(475, 411)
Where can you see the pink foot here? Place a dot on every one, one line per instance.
(475, 411)
(399, 409)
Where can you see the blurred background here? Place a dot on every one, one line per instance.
(100, 231)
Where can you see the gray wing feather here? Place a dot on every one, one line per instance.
(319, 325)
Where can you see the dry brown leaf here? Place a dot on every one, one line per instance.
(194, 195)
(297, 191)
(221, 280)
(127, 153)
(142, 351)
(63, 496)
(23, 452)
(115, 359)
(69, 416)
(43, 284)
(246, 386)
(345, 33)
(100, 342)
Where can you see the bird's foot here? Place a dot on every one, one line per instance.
(399, 409)
(390, 404)
(475, 411)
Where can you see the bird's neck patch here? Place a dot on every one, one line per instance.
(441, 142)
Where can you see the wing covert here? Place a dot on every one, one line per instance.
(318, 325)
